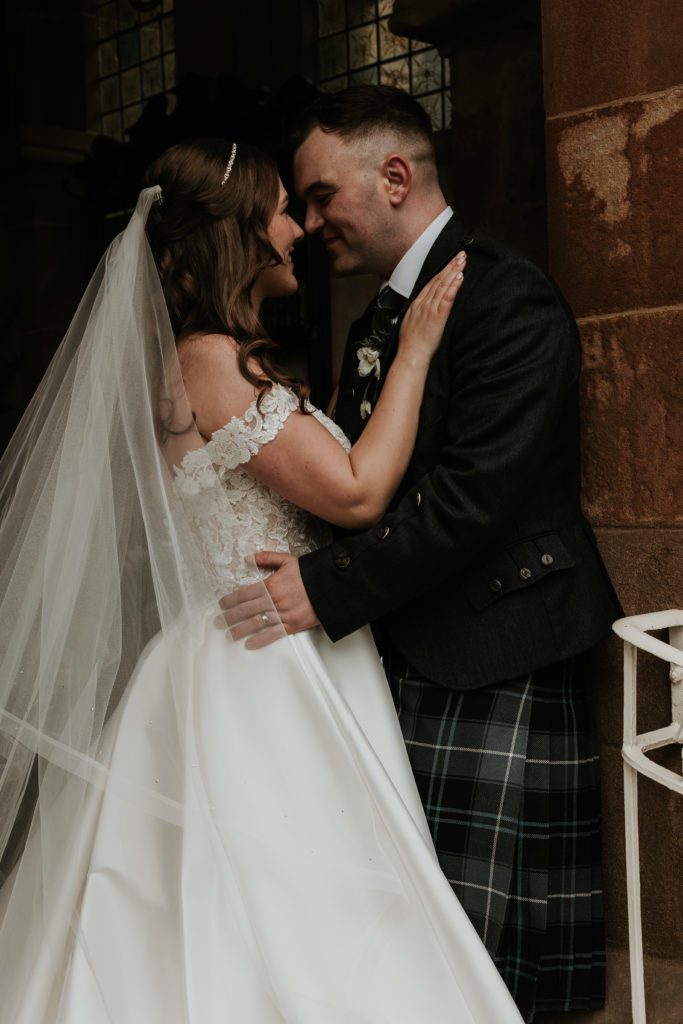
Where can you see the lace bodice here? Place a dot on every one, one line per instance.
(232, 514)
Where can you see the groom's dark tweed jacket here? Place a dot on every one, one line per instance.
(484, 567)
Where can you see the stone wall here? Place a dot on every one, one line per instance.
(613, 79)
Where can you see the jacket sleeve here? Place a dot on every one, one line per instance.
(513, 354)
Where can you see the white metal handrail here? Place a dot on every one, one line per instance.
(635, 632)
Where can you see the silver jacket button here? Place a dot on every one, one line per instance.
(495, 586)
(525, 574)
(547, 559)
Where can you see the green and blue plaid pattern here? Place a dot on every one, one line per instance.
(509, 778)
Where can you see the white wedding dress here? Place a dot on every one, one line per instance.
(301, 884)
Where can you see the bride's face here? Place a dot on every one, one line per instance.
(284, 233)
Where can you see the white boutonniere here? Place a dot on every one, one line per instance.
(365, 409)
(368, 361)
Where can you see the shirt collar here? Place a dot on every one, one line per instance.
(407, 270)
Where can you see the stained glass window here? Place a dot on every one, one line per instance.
(357, 46)
(135, 60)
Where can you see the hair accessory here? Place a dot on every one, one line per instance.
(158, 194)
(231, 161)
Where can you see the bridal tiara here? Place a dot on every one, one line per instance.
(158, 197)
(231, 161)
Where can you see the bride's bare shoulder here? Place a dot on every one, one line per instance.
(216, 388)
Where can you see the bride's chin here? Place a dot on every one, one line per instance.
(288, 286)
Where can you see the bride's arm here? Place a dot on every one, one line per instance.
(304, 463)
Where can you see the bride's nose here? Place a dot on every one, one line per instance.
(298, 231)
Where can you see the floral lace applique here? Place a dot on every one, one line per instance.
(235, 515)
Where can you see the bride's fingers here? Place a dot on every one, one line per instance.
(442, 282)
(243, 594)
(256, 625)
(451, 289)
(246, 609)
(265, 637)
(443, 294)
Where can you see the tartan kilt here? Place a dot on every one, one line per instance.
(509, 778)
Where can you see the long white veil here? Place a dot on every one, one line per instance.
(97, 558)
(93, 549)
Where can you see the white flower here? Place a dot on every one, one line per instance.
(365, 409)
(368, 361)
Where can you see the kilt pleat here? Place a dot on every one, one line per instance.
(509, 778)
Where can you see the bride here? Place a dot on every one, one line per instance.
(220, 834)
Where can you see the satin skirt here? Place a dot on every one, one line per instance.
(260, 857)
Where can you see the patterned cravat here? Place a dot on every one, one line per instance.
(387, 306)
(376, 328)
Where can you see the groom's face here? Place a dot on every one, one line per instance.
(345, 204)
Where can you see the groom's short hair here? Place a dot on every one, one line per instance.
(361, 111)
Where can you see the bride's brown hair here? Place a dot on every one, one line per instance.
(210, 242)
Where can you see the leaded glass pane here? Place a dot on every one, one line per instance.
(111, 125)
(109, 94)
(363, 46)
(390, 46)
(366, 76)
(334, 84)
(432, 104)
(395, 73)
(129, 50)
(150, 40)
(108, 58)
(107, 21)
(426, 71)
(447, 110)
(331, 17)
(332, 56)
(131, 115)
(130, 86)
(168, 33)
(128, 16)
(148, 15)
(151, 78)
(369, 52)
(131, 65)
(169, 70)
(360, 11)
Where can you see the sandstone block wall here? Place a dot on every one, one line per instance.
(613, 79)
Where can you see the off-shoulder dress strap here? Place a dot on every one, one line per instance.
(243, 436)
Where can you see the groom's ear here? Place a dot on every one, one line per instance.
(398, 178)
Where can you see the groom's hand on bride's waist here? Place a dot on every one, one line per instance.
(263, 612)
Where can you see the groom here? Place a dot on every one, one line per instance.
(482, 582)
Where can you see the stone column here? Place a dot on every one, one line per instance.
(492, 162)
(613, 75)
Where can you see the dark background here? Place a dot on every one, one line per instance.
(242, 71)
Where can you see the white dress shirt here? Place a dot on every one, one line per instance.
(408, 268)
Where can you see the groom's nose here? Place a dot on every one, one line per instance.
(313, 220)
